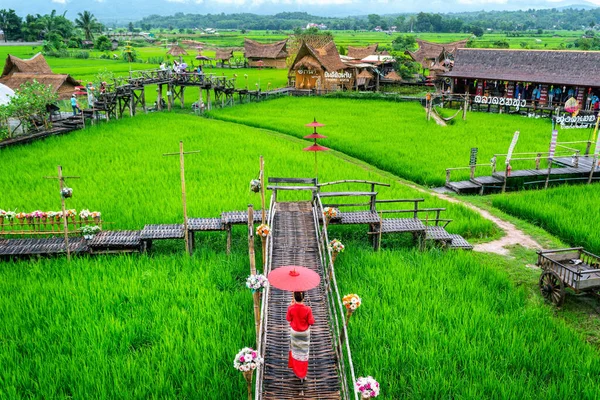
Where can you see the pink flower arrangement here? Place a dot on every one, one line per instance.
(247, 360)
(367, 387)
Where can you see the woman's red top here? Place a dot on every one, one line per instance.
(300, 317)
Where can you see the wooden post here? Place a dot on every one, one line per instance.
(537, 161)
(169, 96)
(159, 98)
(143, 94)
(549, 171)
(506, 172)
(472, 172)
(181, 88)
(61, 185)
(465, 105)
(186, 233)
(264, 215)
(447, 176)
(593, 167)
(251, 254)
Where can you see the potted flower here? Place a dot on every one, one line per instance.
(2, 216)
(263, 230)
(367, 387)
(351, 302)
(330, 213)
(37, 216)
(66, 193)
(84, 216)
(336, 248)
(255, 185)
(89, 231)
(96, 216)
(246, 361)
(10, 217)
(257, 282)
(71, 214)
(29, 218)
(21, 217)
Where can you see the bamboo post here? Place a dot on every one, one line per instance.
(548, 175)
(264, 217)
(64, 214)
(159, 98)
(465, 105)
(506, 172)
(252, 256)
(186, 233)
(593, 167)
(248, 377)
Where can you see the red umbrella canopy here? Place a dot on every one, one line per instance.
(316, 147)
(315, 124)
(294, 278)
(315, 136)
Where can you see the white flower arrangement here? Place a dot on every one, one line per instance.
(263, 230)
(367, 387)
(85, 214)
(351, 302)
(255, 185)
(247, 360)
(257, 282)
(90, 230)
(336, 246)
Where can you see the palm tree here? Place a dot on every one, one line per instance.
(88, 23)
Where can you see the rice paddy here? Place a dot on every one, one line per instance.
(433, 324)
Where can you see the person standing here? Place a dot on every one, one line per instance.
(300, 318)
(75, 105)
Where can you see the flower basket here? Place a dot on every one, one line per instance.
(84, 217)
(263, 230)
(367, 387)
(21, 217)
(257, 282)
(255, 185)
(246, 361)
(336, 248)
(66, 193)
(89, 231)
(330, 213)
(96, 216)
(351, 302)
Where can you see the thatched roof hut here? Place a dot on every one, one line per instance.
(428, 52)
(393, 76)
(325, 58)
(223, 54)
(321, 68)
(270, 54)
(17, 71)
(361, 52)
(177, 51)
(576, 68)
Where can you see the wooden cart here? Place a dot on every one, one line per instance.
(574, 268)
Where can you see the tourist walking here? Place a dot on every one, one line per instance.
(75, 105)
(300, 318)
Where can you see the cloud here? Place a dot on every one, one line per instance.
(476, 2)
(60, 1)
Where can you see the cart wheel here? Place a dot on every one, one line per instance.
(552, 287)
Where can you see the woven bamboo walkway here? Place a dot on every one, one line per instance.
(295, 243)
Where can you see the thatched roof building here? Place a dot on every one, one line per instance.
(269, 54)
(177, 51)
(393, 76)
(569, 68)
(223, 54)
(321, 68)
(17, 71)
(429, 53)
(361, 52)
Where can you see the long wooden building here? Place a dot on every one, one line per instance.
(17, 71)
(558, 75)
(270, 55)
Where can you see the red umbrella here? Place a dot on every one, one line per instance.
(315, 124)
(294, 278)
(316, 147)
(315, 136)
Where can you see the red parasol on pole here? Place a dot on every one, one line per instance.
(294, 278)
(315, 147)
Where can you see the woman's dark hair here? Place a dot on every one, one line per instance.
(298, 296)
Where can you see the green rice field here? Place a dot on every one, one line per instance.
(406, 144)
(569, 212)
(433, 324)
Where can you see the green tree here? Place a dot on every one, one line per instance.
(477, 31)
(374, 20)
(29, 103)
(130, 27)
(88, 23)
(404, 42)
(103, 43)
(32, 28)
(10, 23)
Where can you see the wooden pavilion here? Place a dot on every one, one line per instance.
(17, 71)
(271, 55)
(516, 73)
(428, 54)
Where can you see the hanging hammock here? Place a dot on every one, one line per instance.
(449, 118)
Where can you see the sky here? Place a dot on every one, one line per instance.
(128, 10)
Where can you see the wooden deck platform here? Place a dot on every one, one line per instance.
(205, 224)
(295, 243)
(116, 240)
(162, 231)
(41, 246)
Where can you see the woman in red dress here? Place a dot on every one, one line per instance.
(300, 318)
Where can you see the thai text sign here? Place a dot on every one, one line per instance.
(338, 76)
(306, 72)
(500, 101)
(553, 143)
(473, 159)
(578, 122)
